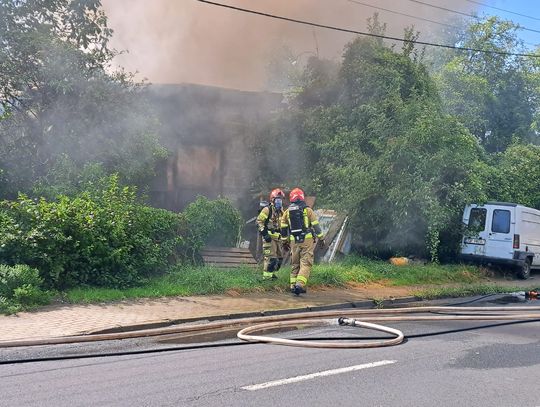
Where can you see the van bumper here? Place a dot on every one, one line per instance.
(477, 259)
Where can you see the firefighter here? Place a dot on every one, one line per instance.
(300, 226)
(269, 222)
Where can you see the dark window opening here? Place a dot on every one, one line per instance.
(501, 221)
(477, 219)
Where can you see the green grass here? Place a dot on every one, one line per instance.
(185, 281)
(181, 281)
(418, 274)
(465, 291)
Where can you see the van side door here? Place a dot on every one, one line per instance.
(500, 226)
(474, 240)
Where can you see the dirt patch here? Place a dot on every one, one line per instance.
(379, 289)
(233, 293)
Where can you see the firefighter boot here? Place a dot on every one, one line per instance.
(298, 289)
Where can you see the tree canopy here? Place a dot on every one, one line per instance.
(60, 96)
(402, 149)
(495, 95)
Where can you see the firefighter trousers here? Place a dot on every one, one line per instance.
(301, 261)
(272, 257)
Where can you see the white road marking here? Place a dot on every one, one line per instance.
(318, 374)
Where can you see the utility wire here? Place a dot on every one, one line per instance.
(445, 9)
(465, 14)
(403, 14)
(416, 17)
(386, 37)
(502, 9)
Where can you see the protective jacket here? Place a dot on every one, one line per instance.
(269, 221)
(299, 222)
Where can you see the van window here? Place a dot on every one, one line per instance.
(501, 221)
(477, 219)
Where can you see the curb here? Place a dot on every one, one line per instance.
(351, 304)
(130, 329)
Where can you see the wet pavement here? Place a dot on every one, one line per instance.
(67, 320)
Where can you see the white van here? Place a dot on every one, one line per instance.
(501, 233)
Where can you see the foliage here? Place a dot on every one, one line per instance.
(100, 237)
(60, 97)
(495, 95)
(402, 151)
(399, 166)
(20, 288)
(67, 178)
(518, 175)
(213, 223)
(189, 280)
(180, 280)
(466, 291)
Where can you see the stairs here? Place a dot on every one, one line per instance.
(228, 257)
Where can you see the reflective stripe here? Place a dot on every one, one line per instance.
(307, 236)
(293, 280)
(262, 216)
(316, 222)
(267, 274)
(274, 235)
(306, 219)
(302, 279)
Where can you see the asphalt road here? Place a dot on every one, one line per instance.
(495, 366)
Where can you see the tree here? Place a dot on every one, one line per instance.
(60, 97)
(518, 175)
(495, 95)
(384, 151)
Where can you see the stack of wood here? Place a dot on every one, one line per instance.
(228, 257)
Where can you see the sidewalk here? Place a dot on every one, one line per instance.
(65, 320)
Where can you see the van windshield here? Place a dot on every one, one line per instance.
(477, 219)
(501, 221)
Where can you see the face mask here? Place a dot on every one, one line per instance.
(278, 203)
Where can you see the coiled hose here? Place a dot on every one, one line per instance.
(344, 318)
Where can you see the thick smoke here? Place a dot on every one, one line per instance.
(185, 41)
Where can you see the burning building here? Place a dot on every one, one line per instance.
(208, 131)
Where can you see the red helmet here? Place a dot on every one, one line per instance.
(296, 195)
(276, 193)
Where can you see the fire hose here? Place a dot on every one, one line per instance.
(344, 319)
(320, 318)
(250, 324)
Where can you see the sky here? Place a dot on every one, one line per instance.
(530, 8)
(185, 41)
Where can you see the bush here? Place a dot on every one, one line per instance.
(20, 288)
(214, 223)
(100, 237)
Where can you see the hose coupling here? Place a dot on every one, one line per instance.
(346, 321)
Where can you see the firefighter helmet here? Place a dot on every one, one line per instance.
(296, 195)
(276, 193)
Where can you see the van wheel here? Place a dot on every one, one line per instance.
(525, 271)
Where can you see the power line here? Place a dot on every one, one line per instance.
(403, 14)
(419, 18)
(445, 9)
(329, 27)
(502, 9)
(466, 14)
